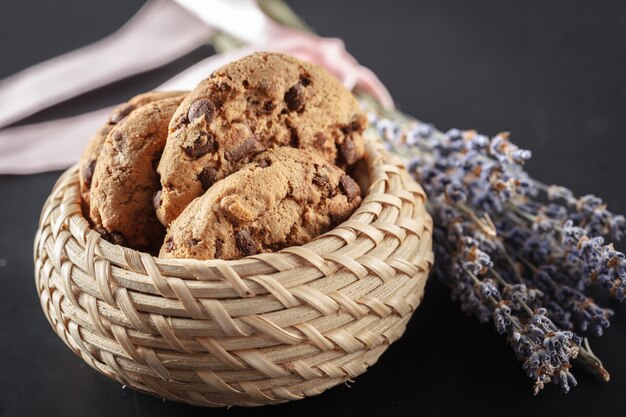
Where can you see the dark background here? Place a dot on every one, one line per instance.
(553, 73)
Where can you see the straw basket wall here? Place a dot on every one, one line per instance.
(265, 329)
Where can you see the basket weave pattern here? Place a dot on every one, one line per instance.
(265, 329)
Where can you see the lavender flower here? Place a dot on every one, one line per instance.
(502, 318)
(519, 295)
(476, 261)
(545, 351)
(587, 314)
(598, 262)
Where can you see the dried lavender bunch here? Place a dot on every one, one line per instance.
(513, 251)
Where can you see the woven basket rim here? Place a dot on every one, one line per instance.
(179, 267)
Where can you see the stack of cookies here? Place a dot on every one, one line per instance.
(256, 158)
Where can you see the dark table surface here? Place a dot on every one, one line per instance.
(553, 73)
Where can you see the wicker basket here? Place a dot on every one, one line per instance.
(265, 329)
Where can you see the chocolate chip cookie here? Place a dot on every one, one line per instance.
(125, 178)
(262, 101)
(87, 163)
(284, 197)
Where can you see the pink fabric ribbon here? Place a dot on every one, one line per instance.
(160, 25)
(115, 57)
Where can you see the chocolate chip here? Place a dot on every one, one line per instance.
(246, 148)
(349, 187)
(358, 125)
(335, 219)
(268, 106)
(156, 200)
(193, 242)
(169, 244)
(219, 243)
(294, 97)
(320, 180)
(120, 113)
(305, 80)
(245, 242)
(294, 139)
(245, 83)
(275, 247)
(202, 145)
(203, 107)
(117, 138)
(224, 87)
(115, 237)
(116, 135)
(347, 151)
(346, 129)
(88, 172)
(207, 177)
(323, 183)
(264, 163)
